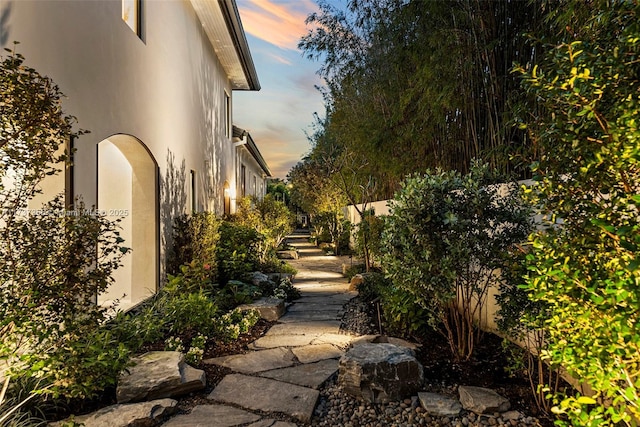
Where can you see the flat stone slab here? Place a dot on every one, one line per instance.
(129, 414)
(270, 309)
(439, 405)
(314, 353)
(255, 361)
(213, 415)
(158, 374)
(339, 340)
(482, 400)
(306, 328)
(329, 298)
(315, 307)
(309, 316)
(263, 394)
(309, 375)
(273, 341)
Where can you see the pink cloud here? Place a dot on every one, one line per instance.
(278, 23)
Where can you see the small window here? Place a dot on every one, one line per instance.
(131, 14)
(193, 192)
(227, 115)
(243, 180)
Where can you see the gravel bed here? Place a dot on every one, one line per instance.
(338, 409)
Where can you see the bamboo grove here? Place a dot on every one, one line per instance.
(414, 85)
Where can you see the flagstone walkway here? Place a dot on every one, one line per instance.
(287, 366)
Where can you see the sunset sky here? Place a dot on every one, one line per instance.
(279, 114)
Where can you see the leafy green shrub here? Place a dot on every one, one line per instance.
(586, 271)
(52, 262)
(189, 313)
(368, 237)
(373, 286)
(269, 217)
(285, 290)
(353, 270)
(400, 311)
(523, 320)
(192, 277)
(195, 239)
(235, 293)
(195, 349)
(237, 251)
(444, 242)
(275, 265)
(331, 227)
(52, 266)
(236, 322)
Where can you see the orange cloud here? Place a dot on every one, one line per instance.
(278, 24)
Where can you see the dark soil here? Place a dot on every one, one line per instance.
(489, 367)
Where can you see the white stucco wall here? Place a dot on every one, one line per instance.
(253, 173)
(167, 90)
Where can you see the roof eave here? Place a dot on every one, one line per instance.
(221, 22)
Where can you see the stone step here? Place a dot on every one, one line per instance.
(273, 341)
(255, 361)
(315, 353)
(311, 375)
(306, 316)
(336, 308)
(306, 328)
(263, 394)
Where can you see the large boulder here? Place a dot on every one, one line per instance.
(156, 375)
(379, 373)
(258, 277)
(482, 400)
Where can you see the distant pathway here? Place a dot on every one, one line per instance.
(291, 361)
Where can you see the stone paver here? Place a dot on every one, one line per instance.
(315, 307)
(309, 375)
(213, 416)
(273, 341)
(291, 361)
(315, 353)
(256, 361)
(306, 316)
(263, 394)
(306, 328)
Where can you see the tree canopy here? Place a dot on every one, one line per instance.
(413, 85)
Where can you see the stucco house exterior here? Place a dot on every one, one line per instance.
(153, 82)
(252, 171)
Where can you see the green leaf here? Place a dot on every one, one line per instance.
(585, 400)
